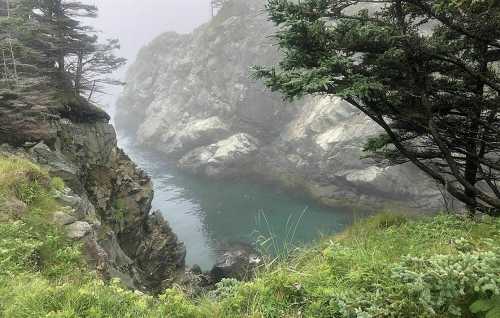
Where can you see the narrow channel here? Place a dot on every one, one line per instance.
(209, 216)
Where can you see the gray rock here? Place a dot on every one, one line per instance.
(110, 198)
(78, 230)
(238, 261)
(194, 134)
(56, 162)
(228, 157)
(313, 144)
(62, 218)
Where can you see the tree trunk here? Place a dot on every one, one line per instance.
(14, 66)
(472, 164)
(78, 75)
(5, 68)
(58, 15)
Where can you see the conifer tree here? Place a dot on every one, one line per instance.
(59, 46)
(426, 71)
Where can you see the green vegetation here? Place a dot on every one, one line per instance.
(47, 44)
(385, 266)
(424, 71)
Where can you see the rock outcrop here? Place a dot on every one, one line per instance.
(239, 261)
(228, 157)
(108, 199)
(187, 94)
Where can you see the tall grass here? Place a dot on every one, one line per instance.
(272, 247)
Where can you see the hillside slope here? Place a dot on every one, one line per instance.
(386, 266)
(107, 196)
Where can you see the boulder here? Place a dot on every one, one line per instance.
(194, 134)
(238, 261)
(56, 162)
(78, 230)
(226, 158)
(62, 218)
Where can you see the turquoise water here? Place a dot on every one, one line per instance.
(208, 215)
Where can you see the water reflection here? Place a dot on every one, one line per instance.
(207, 215)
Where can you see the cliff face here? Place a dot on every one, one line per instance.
(193, 98)
(109, 197)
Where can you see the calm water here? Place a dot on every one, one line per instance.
(209, 215)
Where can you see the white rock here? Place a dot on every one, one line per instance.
(78, 230)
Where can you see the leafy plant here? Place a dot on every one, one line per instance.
(490, 307)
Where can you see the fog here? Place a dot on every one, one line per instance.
(136, 23)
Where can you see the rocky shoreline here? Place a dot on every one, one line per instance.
(192, 98)
(107, 200)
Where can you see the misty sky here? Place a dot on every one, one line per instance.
(136, 22)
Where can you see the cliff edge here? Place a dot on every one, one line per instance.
(108, 196)
(192, 97)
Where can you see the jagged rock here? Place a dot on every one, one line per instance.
(62, 218)
(82, 207)
(161, 247)
(57, 163)
(108, 206)
(239, 262)
(203, 75)
(78, 230)
(314, 144)
(194, 134)
(22, 120)
(228, 157)
(321, 151)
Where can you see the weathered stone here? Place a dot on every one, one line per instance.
(56, 162)
(110, 199)
(20, 122)
(238, 261)
(78, 230)
(228, 157)
(62, 218)
(315, 144)
(194, 134)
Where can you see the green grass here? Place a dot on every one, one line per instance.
(385, 266)
(367, 271)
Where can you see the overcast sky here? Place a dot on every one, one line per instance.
(136, 22)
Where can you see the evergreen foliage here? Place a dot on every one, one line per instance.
(424, 71)
(50, 43)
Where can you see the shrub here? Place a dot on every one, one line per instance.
(57, 184)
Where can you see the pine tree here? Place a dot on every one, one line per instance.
(60, 47)
(426, 71)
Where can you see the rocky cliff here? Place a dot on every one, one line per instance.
(192, 97)
(108, 197)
